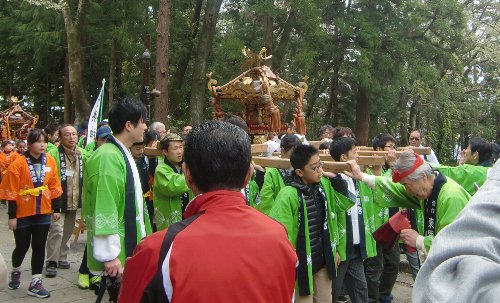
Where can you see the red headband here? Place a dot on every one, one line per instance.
(398, 176)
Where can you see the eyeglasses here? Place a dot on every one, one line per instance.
(414, 139)
(317, 166)
(393, 146)
(69, 135)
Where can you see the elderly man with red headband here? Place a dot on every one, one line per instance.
(415, 184)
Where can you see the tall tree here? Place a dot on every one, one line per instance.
(161, 79)
(74, 18)
(198, 84)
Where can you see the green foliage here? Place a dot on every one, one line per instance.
(430, 64)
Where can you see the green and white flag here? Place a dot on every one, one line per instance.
(95, 115)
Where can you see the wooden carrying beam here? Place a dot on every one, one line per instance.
(315, 143)
(362, 160)
(259, 148)
(329, 166)
(152, 151)
(418, 150)
(256, 149)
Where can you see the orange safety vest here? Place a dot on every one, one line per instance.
(17, 185)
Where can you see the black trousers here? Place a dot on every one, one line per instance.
(352, 273)
(381, 272)
(37, 236)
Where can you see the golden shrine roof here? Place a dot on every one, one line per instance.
(251, 85)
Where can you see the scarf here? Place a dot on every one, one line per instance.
(37, 177)
(430, 205)
(134, 212)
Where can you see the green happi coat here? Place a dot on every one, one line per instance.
(90, 147)
(55, 154)
(285, 210)
(168, 186)
(251, 193)
(380, 213)
(465, 175)
(367, 197)
(451, 199)
(104, 181)
(273, 183)
(50, 147)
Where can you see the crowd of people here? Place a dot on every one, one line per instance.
(202, 223)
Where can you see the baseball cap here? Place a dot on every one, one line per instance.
(103, 131)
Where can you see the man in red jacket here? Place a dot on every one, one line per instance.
(223, 250)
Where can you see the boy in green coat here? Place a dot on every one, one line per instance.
(274, 177)
(170, 191)
(356, 226)
(307, 207)
(476, 163)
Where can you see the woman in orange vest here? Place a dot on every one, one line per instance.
(32, 188)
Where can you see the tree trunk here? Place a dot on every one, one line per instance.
(403, 118)
(333, 104)
(363, 106)
(268, 35)
(198, 85)
(48, 98)
(75, 56)
(68, 104)
(112, 73)
(161, 76)
(414, 109)
(182, 65)
(282, 47)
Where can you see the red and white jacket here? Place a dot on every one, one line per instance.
(224, 251)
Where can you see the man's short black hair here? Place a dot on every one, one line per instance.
(51, 129)
(289, 141)
(381, 140)
(483, 148)
(36, 134)
(151, 136)
(341, 146)
(238, 121)
(218, 155)
(125, 110)
(301, 155)
(324, 145)
(495, 148)
(84, 125)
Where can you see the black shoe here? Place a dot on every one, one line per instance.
(63, 264)
(51, 269)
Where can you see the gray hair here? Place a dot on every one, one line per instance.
(407, 160)
(155, 125)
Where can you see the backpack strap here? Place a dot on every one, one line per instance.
(154, 291)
